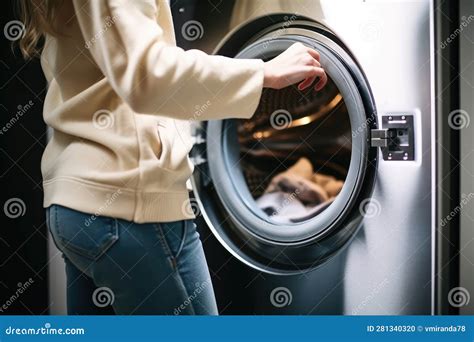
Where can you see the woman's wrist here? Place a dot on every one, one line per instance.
(269, 77)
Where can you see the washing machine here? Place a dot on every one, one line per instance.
(367, 248)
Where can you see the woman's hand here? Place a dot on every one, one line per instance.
(297, 64)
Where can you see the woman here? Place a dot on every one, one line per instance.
(120, 98)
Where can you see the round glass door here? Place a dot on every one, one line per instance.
(281, 190)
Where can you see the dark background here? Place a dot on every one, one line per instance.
(23, 240)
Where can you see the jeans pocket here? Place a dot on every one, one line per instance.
(84, 234)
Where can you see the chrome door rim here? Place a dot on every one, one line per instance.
(258, 235)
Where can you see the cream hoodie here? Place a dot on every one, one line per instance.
(120, 100)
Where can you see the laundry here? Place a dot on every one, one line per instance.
(299, 193)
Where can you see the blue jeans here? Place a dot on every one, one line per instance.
(121, 267)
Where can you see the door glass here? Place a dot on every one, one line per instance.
(295, 151)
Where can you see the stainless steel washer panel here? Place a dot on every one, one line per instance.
(387, 268)
(392, 42)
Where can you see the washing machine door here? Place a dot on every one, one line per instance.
(238, 162)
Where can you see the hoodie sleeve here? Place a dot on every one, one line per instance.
(127, 41)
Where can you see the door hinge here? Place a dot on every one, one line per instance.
(396, 137)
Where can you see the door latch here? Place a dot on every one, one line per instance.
(396, 138)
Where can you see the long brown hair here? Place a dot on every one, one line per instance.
(38, 18)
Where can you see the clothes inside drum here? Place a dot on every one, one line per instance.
(295, 151)
(299, 193)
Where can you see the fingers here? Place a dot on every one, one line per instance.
(306, 83)
(314, 54)
(313, 73)
(323, 80)
(300, 65)
(300, 46)
(313, 62)
(320, 73)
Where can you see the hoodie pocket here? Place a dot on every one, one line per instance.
(159, 143)
(175, 145)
